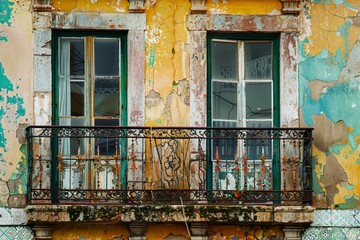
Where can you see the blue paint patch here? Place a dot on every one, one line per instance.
(336, 148)
(3, 38)
(341, 102)
(8, 99)
(4, 81)
(357, 161)
(324, 67)
(5, 12)
(19, 102)
(13, 176)
(349, 187)
(338, 2)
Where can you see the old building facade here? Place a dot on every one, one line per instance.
(186, 119)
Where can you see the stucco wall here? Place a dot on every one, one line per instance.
(328, 73)
(329, 98)
(16, 67)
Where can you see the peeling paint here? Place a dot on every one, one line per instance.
(6, 8)
(329, 98)
(334, 174)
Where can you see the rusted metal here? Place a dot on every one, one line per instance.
(144, 165)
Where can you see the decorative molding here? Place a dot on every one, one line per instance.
(243, 23)
(137, 230)
(290, 6)
(136, 6)
(92, 20)
(293, 232)
(42, 232)
(42, 6)
(199, 229)
(198, 6)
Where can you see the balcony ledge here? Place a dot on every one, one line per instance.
(301, 215)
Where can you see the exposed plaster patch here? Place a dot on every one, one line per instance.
(319, 87)
(21, 133)
(327, 133)
(153, 99)
(17, 201)
(352, 68)
(334, 174)
(4, 193)
(183, 90)
(176, 101)
(356, 21)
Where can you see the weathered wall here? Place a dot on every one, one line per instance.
(15, 113)
(165, 231)
(328, 83)
(329, 98)
(16, 69)
(167, 49)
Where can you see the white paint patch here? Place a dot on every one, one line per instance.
(154, 35)
(94, 1)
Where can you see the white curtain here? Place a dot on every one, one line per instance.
(64, 90)
(65, 110)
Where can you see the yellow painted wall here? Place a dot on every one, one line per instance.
(159, 231)
(90, 231)
(167, 46)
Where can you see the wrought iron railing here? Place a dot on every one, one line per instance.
(173, 165)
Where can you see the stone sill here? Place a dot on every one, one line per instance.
(301, 215)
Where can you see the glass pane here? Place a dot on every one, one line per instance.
(258, 100)
(223, 124)
(256, 147)
(224, 60)
(107, 144)
(71, 57)
(259, 124)
(107, 57)
(106, 97)
(71, 121)
(77, 98)
(70, 146)
(258, 60)
(71, 97)
(224, 100)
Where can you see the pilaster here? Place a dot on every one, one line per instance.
(42, 232)
(198, 6)
(136, 6)
(293, 232)
(290, 6)
(198, 231)
(137, 230)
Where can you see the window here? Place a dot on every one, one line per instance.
(89, 79)
(242, 92)
(89, 89)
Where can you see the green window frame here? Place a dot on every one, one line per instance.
(92, 67)
(230, 82)
(92, 43)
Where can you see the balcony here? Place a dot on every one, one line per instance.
(169, 166)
